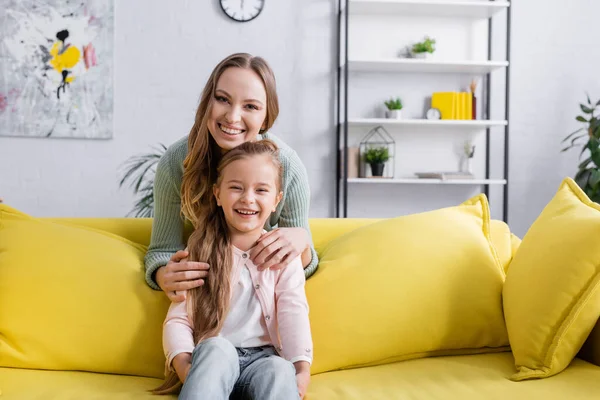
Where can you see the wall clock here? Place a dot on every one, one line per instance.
(242, 10)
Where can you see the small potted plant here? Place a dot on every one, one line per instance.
(376, 157)
(423, 49)
(394, 108)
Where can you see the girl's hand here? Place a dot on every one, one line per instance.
(182, 364)
(180, 275)
(276, 249)
(302, 377)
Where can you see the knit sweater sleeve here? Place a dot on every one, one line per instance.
(297, 203)
(167, 225)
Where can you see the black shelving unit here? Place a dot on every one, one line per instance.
(342, 110)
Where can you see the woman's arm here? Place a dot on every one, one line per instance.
(167, 226)
(294, 212)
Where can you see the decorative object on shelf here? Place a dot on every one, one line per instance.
(588, 174)
(423, 49)
(394, 108)
(242, 10)
(433, 114)
(473, 88)
(376, 149)
(353, 162)
(376, 157)
(453, 105)
(57, 75)
(469, 152)
(448, 175)
(139, 171)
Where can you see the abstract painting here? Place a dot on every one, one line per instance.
(56, 68)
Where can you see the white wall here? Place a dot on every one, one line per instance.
(163, 56)
(164, 53)
(553, 65)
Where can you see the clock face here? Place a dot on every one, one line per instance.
(433, 113)
(242, 10)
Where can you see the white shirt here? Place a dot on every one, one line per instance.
(245, 325)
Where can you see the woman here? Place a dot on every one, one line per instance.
(238, 104)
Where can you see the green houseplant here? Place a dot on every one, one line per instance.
(376, 157)
(588, 174)
(394, 108)
(139, 173)
(424, 48)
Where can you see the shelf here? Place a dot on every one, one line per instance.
(464, 9)
(425, 123)
(417, 181)
(426, 66)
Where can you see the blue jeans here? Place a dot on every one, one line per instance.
(220, 371)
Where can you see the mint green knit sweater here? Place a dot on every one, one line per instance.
(168, 225)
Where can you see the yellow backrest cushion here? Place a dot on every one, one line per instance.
(408, 287)
(74, 298)
(551, 294)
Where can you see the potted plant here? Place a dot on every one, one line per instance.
(139, 173)
(376, 157)
(394, 108)
(423, 49)
(588, 174)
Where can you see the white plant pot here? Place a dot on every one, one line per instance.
(393, 114)
(421, 55)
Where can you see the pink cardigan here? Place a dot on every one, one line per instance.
(284, 306)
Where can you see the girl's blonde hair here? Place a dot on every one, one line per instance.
(207, 305)
(200, 164)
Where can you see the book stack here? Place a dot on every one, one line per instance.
(453, 105)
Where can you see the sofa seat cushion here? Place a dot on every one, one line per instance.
(28, 384)
(483, 376)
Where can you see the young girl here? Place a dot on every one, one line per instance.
(238, 104)
(244, 333)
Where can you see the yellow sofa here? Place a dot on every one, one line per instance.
(470, 376)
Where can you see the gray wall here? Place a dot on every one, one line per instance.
(164, 53)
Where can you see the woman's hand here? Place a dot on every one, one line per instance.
(276, 249)
(182, 364)
(302, 377)
(180, 275)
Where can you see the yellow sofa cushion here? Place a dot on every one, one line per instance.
(551, 294)
(74, 298)
(408, 287)
(469, 377)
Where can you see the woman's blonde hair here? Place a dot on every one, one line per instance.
(200, 164)
(207, 305)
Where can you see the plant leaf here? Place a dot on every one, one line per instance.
(588, 98)
(594, 179)
(571, 134)
(596, 158)
(585, 163)
(583, 149)
(582, 178)
(586, 110)
(581, 119)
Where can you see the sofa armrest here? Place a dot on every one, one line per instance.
(590, 351)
